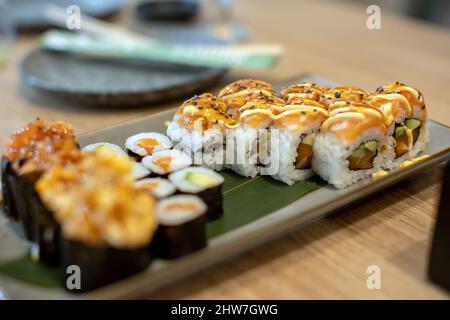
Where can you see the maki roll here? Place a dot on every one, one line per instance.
(238, 93)
(350, 144)
(296, 93)
(157, 187)
(182, 226)
(139, 170)
(198, 127)
(145, 143)
(204, 183)
(106, 223)
(343, 93)
(164, 162)
(248, 144)
(27, 154)
(298, 126)
(111, 146)
(412, 133)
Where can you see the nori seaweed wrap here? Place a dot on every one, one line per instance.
(101, 265)
(158, 187)
(203, 183)
(145, 143)
(106, 223)
(164, 162)
(8, 177)
(182, 226)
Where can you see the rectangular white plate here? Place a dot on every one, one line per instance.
(306, 209)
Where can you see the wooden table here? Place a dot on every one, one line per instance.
(329, 258)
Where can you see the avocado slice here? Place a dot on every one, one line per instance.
(412, 123)
(399, 130)
(201, 180)
(362, 157)
(371, 145)
(401, 144)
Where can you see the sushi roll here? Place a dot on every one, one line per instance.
(247, 151)
(349, 145)
(298, 126)
(343, 93)
(298, 92)
(105, 223)
(111, 146)
(414, 139)
(164, 162)
(182, 226)
(139, 170)
(157, 187)
(198, 128)
(28, 153)
(145, 143)
(204, 183)
(238, 93)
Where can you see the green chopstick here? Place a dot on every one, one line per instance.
(212, 56)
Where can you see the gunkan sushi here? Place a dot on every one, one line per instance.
(27, 154)
(182, 226)
(350, 143)
(106, 222)
(164, 162)
(145, 143)
(204, 183)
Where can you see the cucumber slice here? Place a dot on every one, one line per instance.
(309, 139)
(359, 152)
(371, 145)
(412, 123)
(201, 180)
(399, 131)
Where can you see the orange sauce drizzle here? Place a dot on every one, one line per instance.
(149, 144)
(163, 162)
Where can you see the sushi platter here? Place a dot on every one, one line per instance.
(145, 203)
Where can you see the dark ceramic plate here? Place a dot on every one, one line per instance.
(113, 82)
(28, 14)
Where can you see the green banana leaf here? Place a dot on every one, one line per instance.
(245, 200)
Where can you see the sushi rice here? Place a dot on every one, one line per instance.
(167, 161)
(145, 143)
(157, 187)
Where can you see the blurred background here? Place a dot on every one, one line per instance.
(132, 58)
(435, 11)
